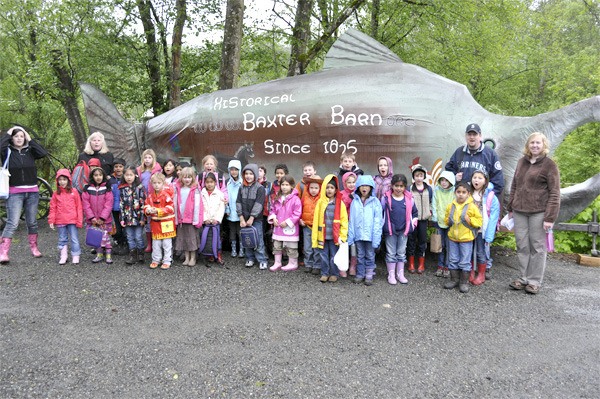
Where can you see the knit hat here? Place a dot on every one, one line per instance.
(418, 167)
(235, 163)
(94, 163)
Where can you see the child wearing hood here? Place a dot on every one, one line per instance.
(489, 206)
(383, 181)
(364, 228)
(249, 207)
(233, 188)
(309, 199)
(285, 216)
(66, 215)
(330, 227)
(443, 195)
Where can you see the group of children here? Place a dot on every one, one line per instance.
(171, 202)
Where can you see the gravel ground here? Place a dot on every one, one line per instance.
(124, 331)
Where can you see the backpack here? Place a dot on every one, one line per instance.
(249, 237)
(463, 219)
(209, 240)
(80, 176)
(488, 205)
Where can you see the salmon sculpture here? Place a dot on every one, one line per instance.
(366, 101)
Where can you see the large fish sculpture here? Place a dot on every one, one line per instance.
(365, 101)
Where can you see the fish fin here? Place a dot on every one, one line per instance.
(102, 116)
(576, 198)
(354, 48)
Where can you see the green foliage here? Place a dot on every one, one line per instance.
(574, 241)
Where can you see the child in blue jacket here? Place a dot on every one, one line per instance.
(364, 228)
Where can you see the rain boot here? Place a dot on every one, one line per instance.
(132, 257)
(369, 276)
(4, 249)
(75, 260)
(33, 245)
(411, 264)
(472, 273)
(192, 261)
(391, 268)
(480, 279)
(64, 255)
(149, 243)
(109, 256)
(291, 266)
(463, 285)
(421, 268)
(277, 265)
(99, 255)
(400, 273)
(454, 278)
(352, 268)
(140, 255)
(233, 249)
(242, 253)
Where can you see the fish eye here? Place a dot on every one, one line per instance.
(491, 143)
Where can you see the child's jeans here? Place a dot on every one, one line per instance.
(395, 248)
(68, 233)
(365, 258)
(483, 251)
(312, 259)
(135, 237)
(460, 254)
(417, 240)
(162, 249)
(443, 256)
(328, 267)
(259, 253)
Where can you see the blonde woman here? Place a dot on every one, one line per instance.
(534, 204)
(95, 147)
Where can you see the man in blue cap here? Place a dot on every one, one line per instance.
(475, 155)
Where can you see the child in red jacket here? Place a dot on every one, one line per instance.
(66, 215)
(161, 210)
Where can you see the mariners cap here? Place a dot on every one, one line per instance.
(473, 127)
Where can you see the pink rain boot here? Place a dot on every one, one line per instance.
(64, 255)
(291, 266)
(352, 269)
(33, 245)
(391, 268)
(277, 264)
(75, 260)
(400, 273)
(4, 249)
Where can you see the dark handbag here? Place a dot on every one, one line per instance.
(249, 237)
(93, 237)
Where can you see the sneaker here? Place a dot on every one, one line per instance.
(439, 272)
(109, 259)
(446, 272)
(99, 258)
(249, 263)
(342, 274)
(263, 265)
(324, 279)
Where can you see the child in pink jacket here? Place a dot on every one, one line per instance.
(285, 216)
(97, 199)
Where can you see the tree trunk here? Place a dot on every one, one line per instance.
(328, 33)
(68, 98)
(301, 36)
(175, 88)
(232, 44)
(153, 58)
(375, 7)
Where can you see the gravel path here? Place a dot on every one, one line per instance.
(98, 331)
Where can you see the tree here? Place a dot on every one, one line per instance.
(232, 43)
